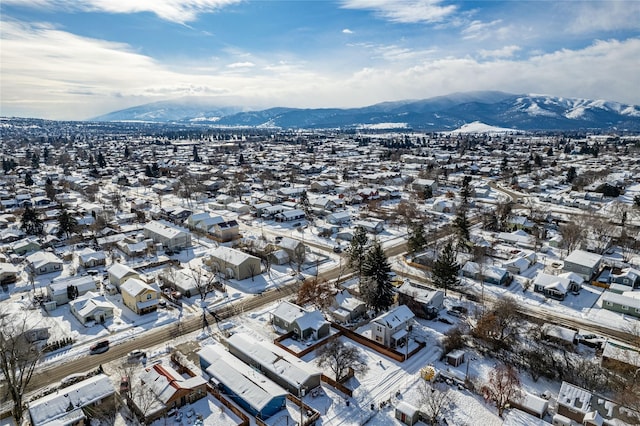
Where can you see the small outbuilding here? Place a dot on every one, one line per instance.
(407, 413)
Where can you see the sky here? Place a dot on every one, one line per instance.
(77, 59)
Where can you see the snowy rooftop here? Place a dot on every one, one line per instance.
(574, 397)
(584, 258)
(292, 369)
(256, 389)
(395, 317)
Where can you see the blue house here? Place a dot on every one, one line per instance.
(247, 387)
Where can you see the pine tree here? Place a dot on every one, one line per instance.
(67, 224)
(461, 225)
(375, 284)
(196, 157)
(126, 152)
(417, 240)
(357, 249)
(49, 189)
(101, 161)
(28, 180)
(446, 268)
(31, 222)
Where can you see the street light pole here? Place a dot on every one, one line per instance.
(300, 394)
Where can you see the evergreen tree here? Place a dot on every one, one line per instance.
(67, 224)
(155, 170)
(417, 240)
(446, 268)
(241, 159)
(101, 161)
(28, 180)
(126, 152)
(147, 171)
(465, 192)
(31, 222)
(196, 157)
(49, 189)
(45, 155)
(375, 284)
(461, 225)
(571, 174)
(35, 160)
(357, 249)
(304, 203)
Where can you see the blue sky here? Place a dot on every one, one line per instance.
(77, 59)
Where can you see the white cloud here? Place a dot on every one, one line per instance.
(241, 65)
(50, 73)
(406, 11)
(587, 17)
(505, 52)
(347, 31)
(479, 30)
(180, 11)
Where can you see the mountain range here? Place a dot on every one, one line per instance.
(443, 113)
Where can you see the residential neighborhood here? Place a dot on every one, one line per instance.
(232, 272)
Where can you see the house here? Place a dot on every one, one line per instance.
(288, 371)
(119, 273)
(559, 334)
(167, 234)
(627, 303)
(424, 185)
(290, 215)
(587, 408)
(235, 264)
(62, 290)
(423, 301)
(486, 273)
(89, 258)
(228, 230)
(91, 307)
(25, 245)
(391, 328)
(584, 263)
(322, 186)
(553, 286)
(8, 274)
(36, 334)
(252, 391)
(455, 358)
(138, 296)
(520, 263)
(531, 404)
(203, 221)
(295, 249)
(339, 218)
(517, 238)
(67, 407)
(305, 324)
(134, 247)
(347, 308)
(44, 262)
(619, 357)
(407, 413)
(627, 277)
(375, 226)
(170, 389)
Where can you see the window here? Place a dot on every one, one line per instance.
(286, 324)
(149, 296)
(625, 308)
(609, 304)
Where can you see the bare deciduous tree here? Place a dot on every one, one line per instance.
(434, 399)
(503, 387)
(18, 357)
(316, 291)
(339, 357)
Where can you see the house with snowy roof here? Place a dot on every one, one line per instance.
(584, 263)
(235, 264)
(303, 323)
(170, 389)
(67, 406)
(119, 273)
(423, 301)
(254, 392)
(167, 234)
(553, 286)
(390, 328)
(44, 262)
(346, 307)
(62, 290)
(288, 371)
(139, 296)
(92, 307)
(89, 258)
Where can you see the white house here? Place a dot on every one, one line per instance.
(390, 328)
(44, 262)
(552, 285)
(65, 289)
(167, 234)
(67, 407)
(119, 273)
(92, 307)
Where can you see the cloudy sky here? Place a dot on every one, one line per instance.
(76, 59)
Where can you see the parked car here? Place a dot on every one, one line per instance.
(100, 347)
(137, 354)
(337, 249)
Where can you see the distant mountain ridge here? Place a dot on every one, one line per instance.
(442, 113)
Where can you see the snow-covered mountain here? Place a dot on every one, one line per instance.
(443, 113)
